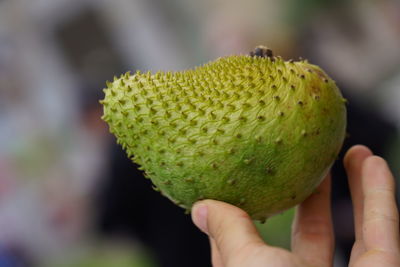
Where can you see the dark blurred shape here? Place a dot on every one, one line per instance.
(88, 49)
(129, 207)
(14, 257)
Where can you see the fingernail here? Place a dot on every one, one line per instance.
(199, 217)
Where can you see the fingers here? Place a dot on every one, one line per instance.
(353, 162)
(312, 235)
(381, 217)
(230, 227)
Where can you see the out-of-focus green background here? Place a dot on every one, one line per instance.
(55, 56)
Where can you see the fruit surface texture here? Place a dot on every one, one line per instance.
(254, 131)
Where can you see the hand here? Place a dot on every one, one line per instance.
(236, 242)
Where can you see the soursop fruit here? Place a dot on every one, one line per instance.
(251, 130)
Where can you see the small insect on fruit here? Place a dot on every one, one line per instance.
(251, 130)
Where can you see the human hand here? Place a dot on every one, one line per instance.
(236, 242)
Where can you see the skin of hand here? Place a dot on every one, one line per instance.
(235, 241)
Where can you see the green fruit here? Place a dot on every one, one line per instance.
(254, 131)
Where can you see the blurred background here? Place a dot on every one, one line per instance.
(68, 194)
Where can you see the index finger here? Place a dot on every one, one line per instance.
(312, 235)
(381, 216)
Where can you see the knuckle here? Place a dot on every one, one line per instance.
(380, 191)
(242, 254)
(381, 215)
(217, 230)
(314, 226)
(220, 226)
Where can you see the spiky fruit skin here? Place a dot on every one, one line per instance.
(259, 133)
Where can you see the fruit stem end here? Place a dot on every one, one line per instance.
(262, 51)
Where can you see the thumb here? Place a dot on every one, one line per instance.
(230, 227)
